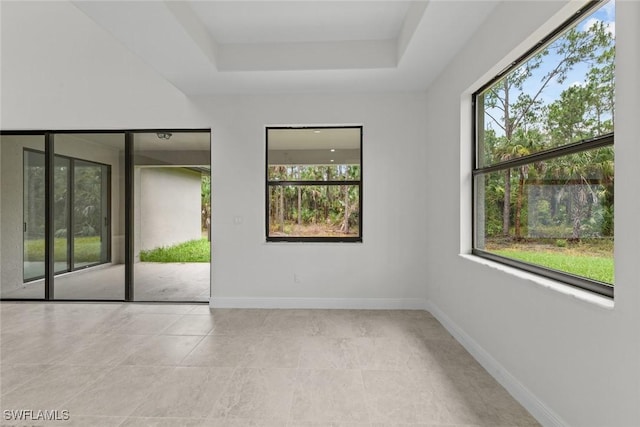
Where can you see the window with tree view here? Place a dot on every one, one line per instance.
(543, 176)
(314, 187)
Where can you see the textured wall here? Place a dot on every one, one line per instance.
(169, 206)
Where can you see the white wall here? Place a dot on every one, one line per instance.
(61, 71)
(571, 360)
(386, 270)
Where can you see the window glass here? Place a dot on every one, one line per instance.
(314, 183)
(562, 214)
(564, 93)
(544, 157)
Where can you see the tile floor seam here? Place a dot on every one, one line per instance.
(190, 351)
(79, 350)
(293, 396)
(89, 384)
(3, 393)
(364, 396)
(143, 401)
(222, 392)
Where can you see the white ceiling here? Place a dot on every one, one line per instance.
(209, 47)
(300, 21)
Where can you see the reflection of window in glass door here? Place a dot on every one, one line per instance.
(90, 214)
(81, 214)
(33, 215)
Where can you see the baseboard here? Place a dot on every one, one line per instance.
(530, 401)
(326, 303)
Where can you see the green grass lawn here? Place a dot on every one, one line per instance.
(87, 249)
(191, 251)
(592, 266)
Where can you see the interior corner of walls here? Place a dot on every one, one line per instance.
(541, 412)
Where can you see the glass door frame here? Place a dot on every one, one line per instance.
(49, 238)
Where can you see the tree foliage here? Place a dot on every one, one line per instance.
(316, 209)
(535, 107)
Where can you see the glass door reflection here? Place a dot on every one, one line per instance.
(33, 216)
(91, 214)
(22, 240)
(88, 184)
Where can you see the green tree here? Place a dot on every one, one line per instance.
(515, 105)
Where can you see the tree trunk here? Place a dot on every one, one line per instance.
(281, 210)
(299, 210)
(329, 201)
(578, 211)
(345, 222)
(518, 231)
(275, 212)
(299, 205)
(506, 208)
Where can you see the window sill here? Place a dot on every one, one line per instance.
(562, 288)
(313, 242)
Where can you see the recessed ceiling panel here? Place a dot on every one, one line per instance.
(250, 47)
(301, 21)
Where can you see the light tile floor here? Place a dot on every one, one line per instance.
(132, 365)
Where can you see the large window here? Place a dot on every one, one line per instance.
(543, 175)
(314, 186)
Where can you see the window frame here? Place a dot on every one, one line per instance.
(605, 140)
(269, 184)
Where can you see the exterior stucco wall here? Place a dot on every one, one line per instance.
(167, 206)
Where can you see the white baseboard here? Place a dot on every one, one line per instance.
(530, 401)
(326, 303)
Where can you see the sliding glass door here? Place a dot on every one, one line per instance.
(105, 216)
(83, 197)
(172, 246)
